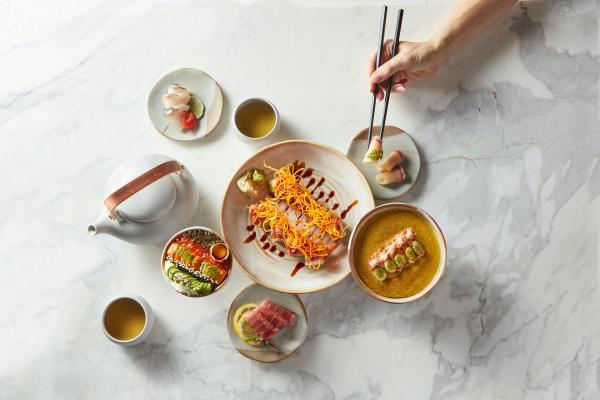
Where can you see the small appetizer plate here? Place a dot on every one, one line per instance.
(394, 138)
(201, 85)
(287, 341)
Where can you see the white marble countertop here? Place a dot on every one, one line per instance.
(509, 134)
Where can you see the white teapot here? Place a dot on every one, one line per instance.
(147, 199)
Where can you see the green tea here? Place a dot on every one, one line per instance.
(255, 119)
(124, 319)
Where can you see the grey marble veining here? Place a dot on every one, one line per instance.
(509, 133)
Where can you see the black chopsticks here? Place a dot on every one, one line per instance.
(379, 55)
(389, 81)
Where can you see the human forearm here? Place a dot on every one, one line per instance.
(468, 19)
(420, 60)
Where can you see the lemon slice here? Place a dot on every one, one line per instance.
(243, 330)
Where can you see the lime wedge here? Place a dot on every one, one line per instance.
(197, 107)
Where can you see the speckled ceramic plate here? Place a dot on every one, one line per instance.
(198, 83)
(287, 341)
(273, 268)
(393, 138)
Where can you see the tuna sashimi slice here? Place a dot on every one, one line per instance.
(269, 318)
(282, 314)
(263, 328)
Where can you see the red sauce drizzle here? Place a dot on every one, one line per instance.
(281, 254)
(320, 195)
(263, 237)
(307, 173)
(335, 206)
(250, 238)
(297, 268)
(266, 246)
(321, 181)
(310, 182)
(345, 212)
(273, 248)
(250, 228)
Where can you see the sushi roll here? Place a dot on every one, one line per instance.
(393, 176)
(174, 115)
(394, 159)
(374, 152)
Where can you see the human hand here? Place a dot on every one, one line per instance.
(414, 61)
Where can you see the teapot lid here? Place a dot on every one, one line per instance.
(150, 203)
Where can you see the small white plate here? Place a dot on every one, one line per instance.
(287, 341)
(394, 138)
(201, 85)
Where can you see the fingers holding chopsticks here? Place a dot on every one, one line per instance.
(391, 66)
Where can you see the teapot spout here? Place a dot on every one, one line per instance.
(102, 225)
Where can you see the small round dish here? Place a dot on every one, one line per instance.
(394, 138)
(382, 212)
(201, 85)
(243, 136)
(286, 341)
(187, 265)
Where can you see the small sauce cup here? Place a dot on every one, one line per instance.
(219, 252)
(256, 120)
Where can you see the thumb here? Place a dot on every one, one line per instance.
(398, 63)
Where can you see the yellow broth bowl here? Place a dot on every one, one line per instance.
(365, 221)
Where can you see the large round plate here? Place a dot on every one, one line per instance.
(287, 341)
(393, 138)
(201, 85)
(269, 269)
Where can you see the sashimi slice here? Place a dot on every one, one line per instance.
(288, 316)
(171, 100)
(269, 318)
(177, 89)
(173, 115)
(263, 328)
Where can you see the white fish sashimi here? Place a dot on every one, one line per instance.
(173, 115)
(177, 89)
(171, 100)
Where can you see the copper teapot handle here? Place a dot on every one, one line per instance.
(131, 188)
